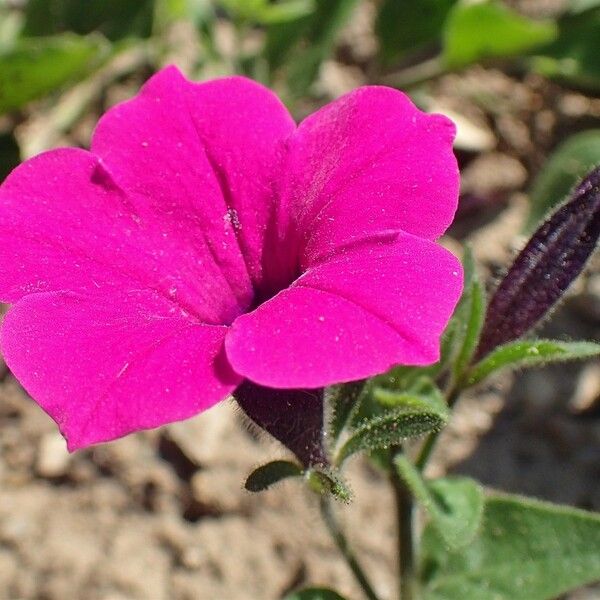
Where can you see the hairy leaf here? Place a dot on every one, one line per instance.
(424, 395)
(453, 504)
(525, 550)
(388, 429)
(530, 353)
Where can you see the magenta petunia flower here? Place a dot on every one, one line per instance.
(206, 241)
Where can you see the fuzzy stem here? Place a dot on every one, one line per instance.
(342, 543)
(405, 542)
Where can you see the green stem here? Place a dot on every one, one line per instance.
(405, 543)
(342, 543)
(430, 442)
(417, 74)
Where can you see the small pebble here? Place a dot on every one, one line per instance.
(53, 458)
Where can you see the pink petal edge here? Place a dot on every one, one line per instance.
(103, 367)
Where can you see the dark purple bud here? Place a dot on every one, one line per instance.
(542, 272)
(294, 417)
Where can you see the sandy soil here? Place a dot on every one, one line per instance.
(163, 515)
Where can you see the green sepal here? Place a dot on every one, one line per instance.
(271, 473)
(328, 482)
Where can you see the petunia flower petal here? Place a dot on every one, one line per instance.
(104, 366)
(373, 306)
(65, 225)
(367, 163)
(203, 157)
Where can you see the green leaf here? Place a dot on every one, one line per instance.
(459, 505)
(38, 66)
(314, 594)
(423, 396)
(525, 550)
(453, 504)
(567, 165)
(319, 33)
(115, 19)
(266, 475)
(530, 353)
(468, 317)
(167, 12)
(579, 6)
(281, 40)
(244, 9)
(573, 58)
(284, 12)
(406, 26)
(474, 32)
(390, 428)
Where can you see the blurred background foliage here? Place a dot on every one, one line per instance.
(59, 59)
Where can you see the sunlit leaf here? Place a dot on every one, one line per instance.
(530, 353)
(475, 31)
(554, 256)
(284, 12)
(525, 550)
(37, 66)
